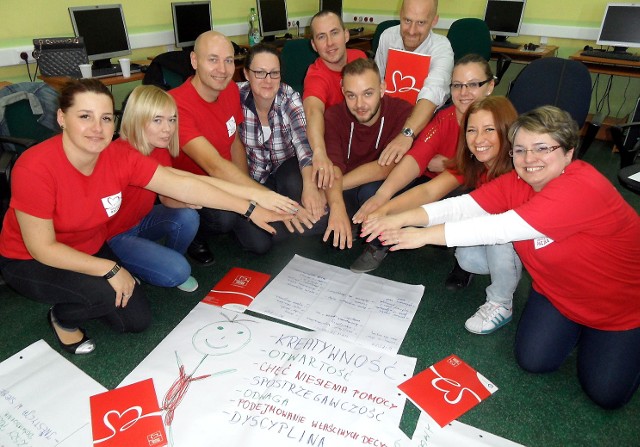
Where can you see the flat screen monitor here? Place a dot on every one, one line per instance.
(104, 31)
(504, 17)
(190, 19)
(620, 26)
(331, 5)
(272, 15)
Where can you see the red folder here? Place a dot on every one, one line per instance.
(447, 389)
(127, 416)
(406, 72)
(237, 289)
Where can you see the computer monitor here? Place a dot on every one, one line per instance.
(620, 26)
(104, 31)
(190, 19)
(504, 17)
(331, 5)
(272, 15)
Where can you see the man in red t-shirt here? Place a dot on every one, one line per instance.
(322, 87)
(360, 127)
(209, 112)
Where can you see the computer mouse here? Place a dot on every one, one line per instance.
(588, 48)
(288, 36)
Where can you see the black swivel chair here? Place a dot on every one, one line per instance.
(564, 83)
(626, 137)
(376, 34)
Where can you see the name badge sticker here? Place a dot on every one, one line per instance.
(231, 126)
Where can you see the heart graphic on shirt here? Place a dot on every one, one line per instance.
(114, 200)
(401, 83)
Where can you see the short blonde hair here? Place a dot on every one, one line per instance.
(144, 103)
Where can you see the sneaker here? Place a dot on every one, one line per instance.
(190, 285)
(458, 278)
(489, 317)
(370, 259)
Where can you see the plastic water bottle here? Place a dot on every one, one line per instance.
(254, 32)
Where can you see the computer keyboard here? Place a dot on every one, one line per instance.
(113, 70)
(611, 55)
(504, 44)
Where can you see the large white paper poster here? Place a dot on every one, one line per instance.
(429, 434)
(364, 309)
(227, 379)
(44, 400)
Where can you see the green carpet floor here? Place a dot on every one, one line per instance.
(534, 410)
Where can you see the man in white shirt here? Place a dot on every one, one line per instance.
(417, 18)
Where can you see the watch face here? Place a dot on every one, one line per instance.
(407, 132)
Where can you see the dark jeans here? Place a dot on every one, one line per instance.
(77, 297)
(608, 361)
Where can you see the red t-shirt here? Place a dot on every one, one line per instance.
(439, 137)
(324, 83)
(351, 144)
(216, 121)
(588, 267)
(46, 185)
(136, 202)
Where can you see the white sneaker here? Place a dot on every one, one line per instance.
(488, 318)
(190, 285)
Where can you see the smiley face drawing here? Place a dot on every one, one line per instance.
(221, 338)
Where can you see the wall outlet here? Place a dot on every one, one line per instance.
(29, 56)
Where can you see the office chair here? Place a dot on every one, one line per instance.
(564, 83)
(630, 148)
(471, 35)
(169, 70)
(296, 56)
(378, 32)
(21, 129)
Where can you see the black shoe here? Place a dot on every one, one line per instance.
(458, 278)
(200, 253)
(84, 346)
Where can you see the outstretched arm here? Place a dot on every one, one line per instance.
(322, 165)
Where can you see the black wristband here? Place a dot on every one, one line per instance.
(252, 206)
(111, 273)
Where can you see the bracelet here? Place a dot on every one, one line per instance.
(252, 206)
(111, 273)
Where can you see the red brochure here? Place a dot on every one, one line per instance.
(237, 289)
(127, 416)
(406, 72)
(447, 389)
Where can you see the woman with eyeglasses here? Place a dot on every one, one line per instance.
(275, 137)
(472, 79)
(576, 236)
(483, 154)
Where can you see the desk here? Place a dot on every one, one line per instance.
(630, 184)
(611, 67)
(58, 81)
(521, 56)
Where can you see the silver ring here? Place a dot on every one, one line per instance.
(321, 169)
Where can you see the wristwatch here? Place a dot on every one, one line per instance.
(408, 132)
(252, 206)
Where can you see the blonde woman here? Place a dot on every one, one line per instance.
(150, 239)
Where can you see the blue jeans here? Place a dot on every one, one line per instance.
(144, 256)
(608, 361)
(499, 261)
(77, 297)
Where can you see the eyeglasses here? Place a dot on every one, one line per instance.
(261, 74)
(469, 85)
(538, 150)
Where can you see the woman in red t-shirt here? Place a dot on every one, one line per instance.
(64, 191)
(578, 239)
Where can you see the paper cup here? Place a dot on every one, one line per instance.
(85, 70)
(125, 67)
